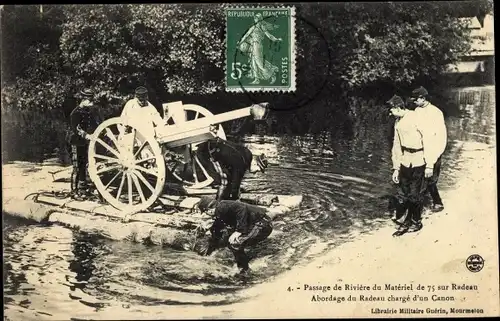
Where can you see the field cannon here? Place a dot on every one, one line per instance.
(130, 164)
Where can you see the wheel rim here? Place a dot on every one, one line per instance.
(127, 168)
(193, 174)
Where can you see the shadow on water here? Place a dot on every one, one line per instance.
(345, 184)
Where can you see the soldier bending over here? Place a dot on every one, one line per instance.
(249, 225)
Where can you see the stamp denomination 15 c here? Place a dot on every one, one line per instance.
(260, 49)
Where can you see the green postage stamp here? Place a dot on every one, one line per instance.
(260, 49)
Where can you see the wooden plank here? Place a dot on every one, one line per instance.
(190, 191)
(177, 220)
(275, 204)
(289, 201)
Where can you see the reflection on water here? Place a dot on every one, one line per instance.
(50, 268)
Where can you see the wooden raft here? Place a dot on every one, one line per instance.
(181, 216)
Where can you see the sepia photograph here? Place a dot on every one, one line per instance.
(249, 160)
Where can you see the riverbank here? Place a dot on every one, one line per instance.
(435, 256)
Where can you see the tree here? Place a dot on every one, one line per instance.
(397, 43)
(170, 48)
(345, 51)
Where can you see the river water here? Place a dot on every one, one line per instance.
(51, 271)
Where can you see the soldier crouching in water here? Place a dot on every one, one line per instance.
(85, 119)
(231, 161)
(249, 225)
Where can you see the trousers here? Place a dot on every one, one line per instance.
(432, 183)
(412, 184)
(80, 160)
(260, 231)
(231, 178)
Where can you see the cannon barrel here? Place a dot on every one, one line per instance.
(201, 129)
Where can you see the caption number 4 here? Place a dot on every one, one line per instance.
(237, 70)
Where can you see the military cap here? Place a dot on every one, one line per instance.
(205, 203)
(420, 92)
(141, 91)
(396, 101)
(87, 93)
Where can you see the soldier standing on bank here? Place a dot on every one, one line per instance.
(435, 139)
(408, 152)
(85, 119)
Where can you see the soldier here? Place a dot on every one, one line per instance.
(397, 205)
(231, 161)
(248, 224)
(85, 118)
(435, 136)
(408, 152)
(140, 113)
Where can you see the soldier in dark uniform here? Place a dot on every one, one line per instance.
(249, 225)
(85, 118)
(231, 161)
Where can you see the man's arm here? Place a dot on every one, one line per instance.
(441, 133)
(126, 112)
(74, 119)
(429, 141)
(155, 116)
(397, 153)
(241, 213)
(215, 235)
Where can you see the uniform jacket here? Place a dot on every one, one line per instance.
(238, 216)
(230, 155)
(143, 118)
(407, 134)
(433, 129)
(88, 117)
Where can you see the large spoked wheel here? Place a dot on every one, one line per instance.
(126, 166)
(183, 163)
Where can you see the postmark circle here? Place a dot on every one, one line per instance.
(475, 263)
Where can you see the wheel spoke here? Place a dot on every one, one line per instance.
(107, 169)
(146, 170)
(144, 181)
(121, 187)
(145, 160)
(109, 148)
(138, 187)
(197, 160)
(112, 180)
(140, 148)
(194, 172)
(197, 114)
(110, 159)
(112, 136)
(129, 187)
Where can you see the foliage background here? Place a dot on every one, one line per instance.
(351, 56)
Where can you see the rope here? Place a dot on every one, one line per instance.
(63, 194)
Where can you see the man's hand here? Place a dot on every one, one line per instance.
(428, 172)
(81, 132)
(395, 176)
(206, 225)
(234, 238)
(86, 103)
